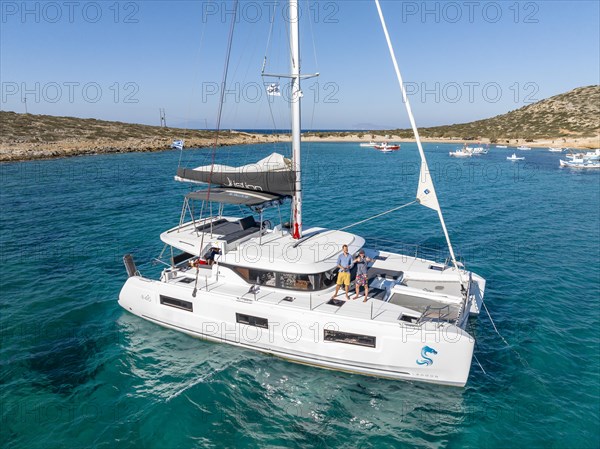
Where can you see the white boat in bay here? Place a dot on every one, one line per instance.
(580, 163)
(514, 157)
(387, 147)
(478, 151)
(368, 145)
(461, 152)
(523, 148)
(590, 159)
(555, 150)
(268, 287)
(501, 146)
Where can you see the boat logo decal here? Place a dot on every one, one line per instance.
(242, 185)
(426, 191)
(424, 353)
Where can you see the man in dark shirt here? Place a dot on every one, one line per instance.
(361, 274)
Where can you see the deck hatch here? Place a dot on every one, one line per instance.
(349, 338)
(187, 280)
(177, 303)
(250, 320)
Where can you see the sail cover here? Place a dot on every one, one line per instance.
(273, 174)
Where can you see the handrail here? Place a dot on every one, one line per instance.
(439, 254)
(429, 314)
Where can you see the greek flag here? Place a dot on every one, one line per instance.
(177, 144)
(274, 90)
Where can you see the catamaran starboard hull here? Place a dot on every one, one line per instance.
(432, 352)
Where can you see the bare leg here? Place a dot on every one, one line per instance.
(357, 290)
(366, 293)
(347, 291)
(337, 289)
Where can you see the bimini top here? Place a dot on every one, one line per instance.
(274, 174)
(234, 196)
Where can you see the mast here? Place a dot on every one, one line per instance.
(296, 94)
(426, 192)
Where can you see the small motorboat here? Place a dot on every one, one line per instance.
(555, 150)
(385, 147)
(523, 148)
(370, 144)
(580, 163)
(514, 157)
(501, 146)
(462, 152)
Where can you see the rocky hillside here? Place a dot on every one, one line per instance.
(28, 136)
(573, 114)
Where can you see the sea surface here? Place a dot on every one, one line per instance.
(78, 371)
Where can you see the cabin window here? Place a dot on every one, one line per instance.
(348, 338)
(177, 303)
(252, 320)
(288, 281)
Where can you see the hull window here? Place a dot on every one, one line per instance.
(177, 303)
(252, 320)
(348, 338)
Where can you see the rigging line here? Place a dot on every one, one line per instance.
(475, 357)
(424, 167)
(189, 110)
(378, 215)
(312, 35)
(269, 37)
(220, 111)
(523, 361)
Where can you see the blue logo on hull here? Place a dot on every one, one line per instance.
(424, 353)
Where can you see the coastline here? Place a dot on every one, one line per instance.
(16, 151)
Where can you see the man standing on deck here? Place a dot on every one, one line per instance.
(344, 263)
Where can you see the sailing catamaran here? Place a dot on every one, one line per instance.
(249, 283)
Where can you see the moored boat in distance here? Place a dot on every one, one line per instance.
(368, 145)
(555, 150)
(501, 146)
(590, 159)
(386, 147)
(523, 148)
(514, 157)
(461, 152)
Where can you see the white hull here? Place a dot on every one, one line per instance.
(579, 163)
(296, 333)
(459, 154)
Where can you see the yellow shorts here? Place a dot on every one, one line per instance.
(343, 278)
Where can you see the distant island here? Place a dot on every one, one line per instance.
(569, 120)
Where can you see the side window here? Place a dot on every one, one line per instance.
(177, 303)
(348, 338)
(252, 320)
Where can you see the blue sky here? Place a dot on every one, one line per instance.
(462, 61)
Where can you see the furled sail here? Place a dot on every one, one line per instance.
(273, 174)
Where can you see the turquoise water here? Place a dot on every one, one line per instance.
(78, 371)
